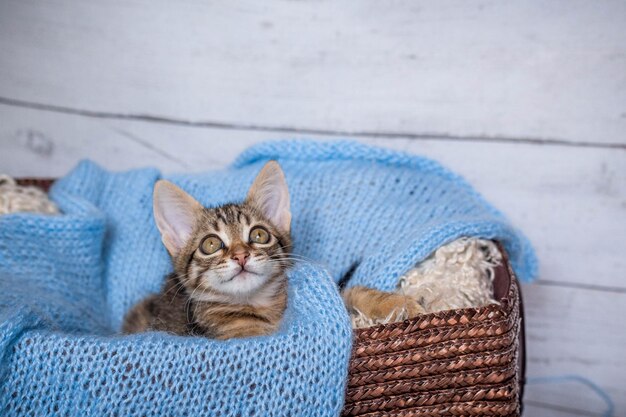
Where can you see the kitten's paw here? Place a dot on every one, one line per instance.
(411, 307)
(397, 307)
(381, 306)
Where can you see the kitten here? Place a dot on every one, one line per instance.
(230, 263)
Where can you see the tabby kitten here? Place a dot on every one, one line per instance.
(229, 263)
(229, 266)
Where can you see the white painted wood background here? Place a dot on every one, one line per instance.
(526, 99)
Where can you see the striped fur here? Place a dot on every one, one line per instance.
(214, 295)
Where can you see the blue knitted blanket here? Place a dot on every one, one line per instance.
(66, 282)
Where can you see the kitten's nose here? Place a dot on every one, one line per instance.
(241, 257)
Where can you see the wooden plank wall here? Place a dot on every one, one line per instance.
(526, 99)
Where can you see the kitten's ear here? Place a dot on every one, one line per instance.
(270, 194)
(175, 213)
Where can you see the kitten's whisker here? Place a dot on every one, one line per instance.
(287, 252)
(179, 285)
(176, 287)
(296, 259)
(285, 263)
(188, 303)
(177, 291)
(293, 255)
(290, 257)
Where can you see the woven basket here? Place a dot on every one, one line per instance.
(467, 362)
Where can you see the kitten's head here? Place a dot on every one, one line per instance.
(231, 250)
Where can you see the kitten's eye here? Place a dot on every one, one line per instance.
(211, 244)
(259, 235)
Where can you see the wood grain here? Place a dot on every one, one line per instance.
(506, 70)
(573, 331)
(571, 202)
(563, 398)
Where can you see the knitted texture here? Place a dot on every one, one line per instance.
(68, 281)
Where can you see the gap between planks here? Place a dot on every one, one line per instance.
(592, 287)
(303, 130)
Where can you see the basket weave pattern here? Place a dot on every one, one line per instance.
(459, 362)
